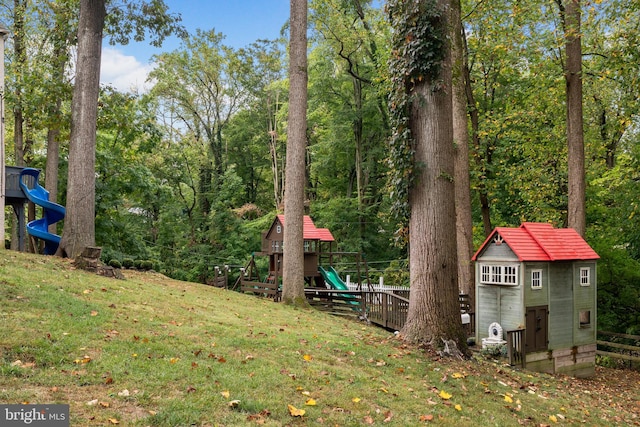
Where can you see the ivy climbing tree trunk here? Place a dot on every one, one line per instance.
(293, 262)
(422, 71)
(79, 224)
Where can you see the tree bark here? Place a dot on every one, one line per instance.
(464, 221)
(79, 224)
(293, 262)
(576, 214)
(434, 311)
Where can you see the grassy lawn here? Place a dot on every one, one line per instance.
(151, 351)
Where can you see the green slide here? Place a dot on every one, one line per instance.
(335, 282)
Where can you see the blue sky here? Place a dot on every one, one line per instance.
(241, 21)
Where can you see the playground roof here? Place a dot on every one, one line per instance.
(310, 231)
(534, 241)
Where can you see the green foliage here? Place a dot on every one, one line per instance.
(397, 273)
(115, 263)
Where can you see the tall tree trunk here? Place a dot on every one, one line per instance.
(485, 208)
(272, 111)
(293, 262)
(53, 158)
(576, 214)
(20, 58)
(434, 310)
(79, 224)
(358, 140)
(464, 222)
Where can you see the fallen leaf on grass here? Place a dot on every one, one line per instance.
(368, 420)
(444, 395)
(457, 375)
(307, 357)
(114, 421)
(295, 412)
(428, 417)
(225, 394)
(259, 417)
(355, 400)
(553, 418)
(458, 408)
(310, 402)
(508, 398)
(233, 403)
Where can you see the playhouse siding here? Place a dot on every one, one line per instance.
(502, 304)
(560, 305)
(498, 253)
(585, 300)
(498, 303)
(540, 296)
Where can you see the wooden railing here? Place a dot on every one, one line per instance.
(619, 346)
(269, 290)
(344, 303)
(386, 309)
(515, 347)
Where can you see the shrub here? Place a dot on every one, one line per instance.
(127, 263)
(146, 265)
(115, 263)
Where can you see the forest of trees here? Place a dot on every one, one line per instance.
(190, 173)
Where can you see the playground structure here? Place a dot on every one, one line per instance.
(318, 250)
(22, 186)
(325, 289)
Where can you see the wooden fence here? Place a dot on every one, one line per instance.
(619, 346)
(269, 290)
(516, 347)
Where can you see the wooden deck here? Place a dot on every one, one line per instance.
(385, 309)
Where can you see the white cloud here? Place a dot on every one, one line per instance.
(124, 72)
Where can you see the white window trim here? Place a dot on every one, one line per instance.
(539, 279)
(586, 276)
(499, 274)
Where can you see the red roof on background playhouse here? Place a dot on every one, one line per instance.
(309, 230)
(534, 241)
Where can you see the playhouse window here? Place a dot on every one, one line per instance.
(585, 276)
(585, 318)
(536, 279)
(306, 245)
(278, 229)
(499, 274)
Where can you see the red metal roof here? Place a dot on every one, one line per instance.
(309, 230)
(534, 241)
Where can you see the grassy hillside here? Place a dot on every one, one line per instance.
(149, 350)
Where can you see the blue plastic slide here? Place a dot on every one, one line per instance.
(52, 212)
(335, 282)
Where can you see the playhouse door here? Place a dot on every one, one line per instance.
(536, 328)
